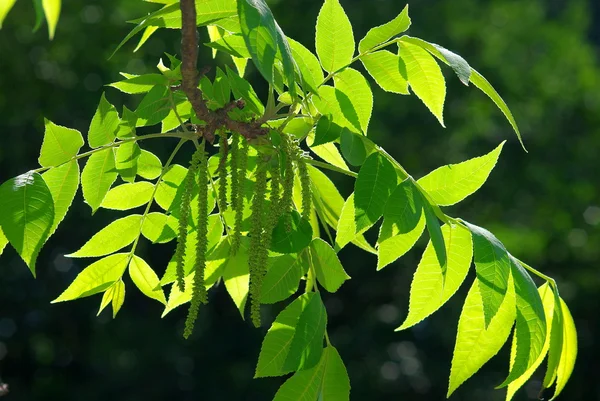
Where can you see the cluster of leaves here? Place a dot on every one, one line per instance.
(263, 247)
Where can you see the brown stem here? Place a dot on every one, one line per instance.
(190, 78)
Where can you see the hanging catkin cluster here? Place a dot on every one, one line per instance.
(287, 148)
(184, 215)
(199, 294)
(305, 185)
(239, 165)
(222, 170)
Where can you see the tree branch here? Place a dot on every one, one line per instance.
(190, 79)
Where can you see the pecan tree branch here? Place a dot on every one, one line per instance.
(190, 79)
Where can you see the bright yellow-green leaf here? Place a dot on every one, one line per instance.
(159, 227)
(3, 241)
(450, 184)
(568, 354)
(282, 278)
(237, 277)
(475, 344)
(62, 182)
(530, 327)
(106, 299)
(376, 180)
(27, 215)
(128, 196)
(388, 70)
(336, 105)
(105, 124)
(385, 32)
(111, 238)
(329, 269)
(493, 266)
(346, 228)
(146, 279)
(403, 224)
(60, 144)
(52, 12)
(327, 381)
(435, 233)
(136, 84)
(334, 38)
(330, 153)
(148, 165)
(430, 289)
(276, 345)
(126, 160)
(149, 31)
(548, 300)
(118, 297)
(96, 278)
(425, 78)
(308, 64)
(97, 177)
(5, 7)
(356, 87)
(167, 193)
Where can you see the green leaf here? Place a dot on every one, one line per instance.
(493, 266)
(169, 191)
(530, 328)
(111, 238)
(62, 182)
(327, 381)
(234, 45)
(106, 298)
(450, 184)
(383, 33)
(5, 7)
(376, 180)
(105, 124)
(237, 276)
(242, 89)
(148, 32)
(556, 344)
(456, 62)
(475, 344)
(330, 153)
(96, 278)
(291, 236)
(154, 107)
(52, 12)
(159, 228)
(282, 278)
(355, 86)
(548, 299)
(222, 89)
(127, 125)
(403, 223)
(388, 70)
(430, 289)
(356, 148)
(308, 64)
(338, 107)
(435, 233)
(128, 196)
(118, 297)
(329, 269)
(97, 177)
(568, 354)
(482, 83)
(425, 78)
(148, 165)
(60, 144)
(265, 41)
(27, 215)
(346, 228)
(146, 279)
(307, 345)
(126, 160)
(334, 38)
(136, 84)
(277, 342)
(327, 131)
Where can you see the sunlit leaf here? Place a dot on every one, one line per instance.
(329, 269)
(159, 227)
(128, 196)
(126, 160)
(148, 165)
(60, 144)
(5, 7)
(237, 276)
(282, 278)
(388, 70)
(291, 238)
(97, 177)
(385, 32)
(62, 182)
(105, 124)
(355, 86)
(111, 238)
(52, 12)
(308, 64)
(146, 279)
(334, 38)
(140, 83)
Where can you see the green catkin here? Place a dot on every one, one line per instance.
(238, 206)
(305, 185)
(199, 294)
(223, 151)
(184, 214)
(288, 181)
(235, 181)
(257, 244)
(272, 217)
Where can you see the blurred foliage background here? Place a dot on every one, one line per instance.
(541, 55)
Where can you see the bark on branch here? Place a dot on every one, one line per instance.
(216, 119)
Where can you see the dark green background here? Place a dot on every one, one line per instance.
(542, 56)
